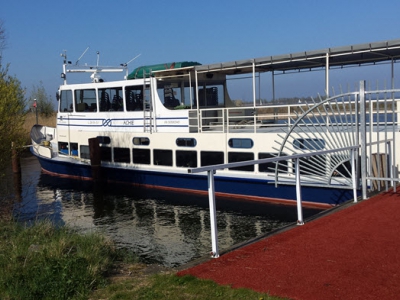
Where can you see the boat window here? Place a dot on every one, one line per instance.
(134, 98)
(186, 142)
(104, 139)
(209, 96)
(63, 148)
(141, 141)
(68, 149)
(186, 159)
(270, 167)
(240, 143)
(84, 151)
(141, 156)
(241, 156)
(175, 95)
(171, 96)
(162, 157)
(111, 99)
(105, 154)
(66, 101)
(309, 144)
(122, 155)
(85, 100)
(209, 158)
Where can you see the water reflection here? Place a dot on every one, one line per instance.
(165, 228)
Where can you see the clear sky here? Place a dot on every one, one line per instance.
(206, 31)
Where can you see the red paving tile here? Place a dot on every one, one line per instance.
(353, 253)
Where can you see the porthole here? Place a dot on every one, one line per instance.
(141, 141)
(241, 143)
(186, 142)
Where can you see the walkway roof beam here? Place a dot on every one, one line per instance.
(338, 57)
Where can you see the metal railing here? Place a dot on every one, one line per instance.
(376, 165)
(211, 186)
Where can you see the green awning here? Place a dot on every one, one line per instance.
(138, 72)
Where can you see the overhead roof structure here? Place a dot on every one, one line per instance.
(324, 59)
(360, 54)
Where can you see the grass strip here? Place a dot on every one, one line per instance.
(47, 262)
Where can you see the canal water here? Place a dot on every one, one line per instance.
(164, 228)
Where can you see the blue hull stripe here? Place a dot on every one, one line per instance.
(242, 188)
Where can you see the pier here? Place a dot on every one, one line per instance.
(349, 252)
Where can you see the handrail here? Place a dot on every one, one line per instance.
(211, 186)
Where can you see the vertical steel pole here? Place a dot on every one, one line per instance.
(213, 214)
(254, 84)
(199, 125)
(353, 173)
(363, 137)
(298, 194)
(389, 161)
(327, 75)
(394, 110)
(190, 91)
(273, 87)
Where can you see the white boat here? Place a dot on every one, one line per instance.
(160, 120)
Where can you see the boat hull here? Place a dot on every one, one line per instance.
(234, 187)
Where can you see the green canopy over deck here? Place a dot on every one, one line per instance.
(138, 72)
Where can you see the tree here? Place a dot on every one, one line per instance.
(2, 38)
(12, 106)
(12, 116)
(43, 101)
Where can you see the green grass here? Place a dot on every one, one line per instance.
(170, 286)
(45, 262)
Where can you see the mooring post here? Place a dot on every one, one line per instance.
(16, 165)
(95, 158)
(213, 214)
(300, 220)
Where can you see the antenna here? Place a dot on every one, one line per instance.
(64, 54)
(98, 58)
(81, 56)
(125, 64)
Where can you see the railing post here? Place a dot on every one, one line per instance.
(354, 174)
(213, 214)
(390, 162)
(363, 142)
(298, 194)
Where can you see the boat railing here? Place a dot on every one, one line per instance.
(261, 118)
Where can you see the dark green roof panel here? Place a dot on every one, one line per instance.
(138, 72)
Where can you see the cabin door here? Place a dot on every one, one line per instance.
(64, 116)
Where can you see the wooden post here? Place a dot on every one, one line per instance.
(95, 158)
(16, 165)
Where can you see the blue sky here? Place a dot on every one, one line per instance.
(165, 31)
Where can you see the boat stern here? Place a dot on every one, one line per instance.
(43, 141)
